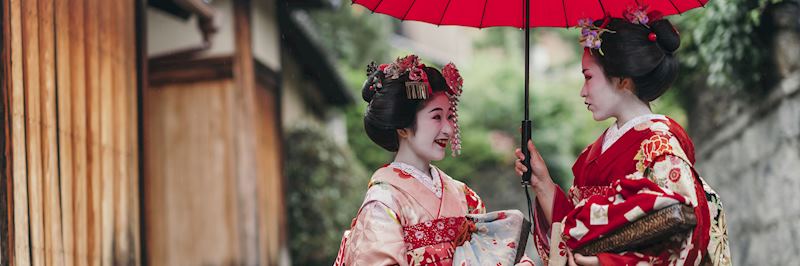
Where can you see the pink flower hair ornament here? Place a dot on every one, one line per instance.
(417, 86)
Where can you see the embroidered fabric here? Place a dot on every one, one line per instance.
(614, 133)
(579, 193)
(432, 232)
(433, 181)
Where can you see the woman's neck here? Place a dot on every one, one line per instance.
(406, 157)
(630, 111)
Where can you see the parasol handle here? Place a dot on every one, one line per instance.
(526, 135)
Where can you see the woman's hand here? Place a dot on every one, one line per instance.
(542, 184)
(540, 176)
(578, 259)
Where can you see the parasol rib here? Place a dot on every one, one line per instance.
(409, 9)
(701, 3)
(676, 7)
(376, 6)
(483, 14)
(443, 12)
(602, 7)
(566, 20)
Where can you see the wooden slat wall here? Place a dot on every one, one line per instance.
(270, 187)
(191, 206)
(72, 102)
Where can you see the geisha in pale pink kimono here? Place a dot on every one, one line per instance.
(642, 163)
(413, 213)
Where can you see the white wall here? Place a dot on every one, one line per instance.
(167, 33)
(266, 34)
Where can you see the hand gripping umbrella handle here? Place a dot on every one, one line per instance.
(526, 176)
(526, 135)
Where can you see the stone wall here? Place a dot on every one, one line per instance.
(748, 149)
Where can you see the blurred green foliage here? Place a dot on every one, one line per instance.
(722, 46)
(324, 190)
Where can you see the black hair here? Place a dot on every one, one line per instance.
(628, 52)
(389, 109)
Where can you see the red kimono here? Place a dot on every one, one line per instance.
(648, 168)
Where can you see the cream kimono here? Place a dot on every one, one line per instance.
(411, 218)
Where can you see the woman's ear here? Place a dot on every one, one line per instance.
(626, 84)
(402, 132)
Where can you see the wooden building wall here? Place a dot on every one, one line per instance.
(199, 208)
(213, 181)
(69, 84)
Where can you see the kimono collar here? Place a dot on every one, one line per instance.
(614, 133)
(432, 182)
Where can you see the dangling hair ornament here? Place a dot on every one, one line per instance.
(454, 84)
(417, 86)
(372, 79)
(590, 34)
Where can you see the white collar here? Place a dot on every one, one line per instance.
(614, 133)
(431, 181)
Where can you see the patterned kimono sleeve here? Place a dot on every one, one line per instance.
(376, 238)
(476, 206)
(671, 174)
(663, 177)
(474, 203)
(562, 205)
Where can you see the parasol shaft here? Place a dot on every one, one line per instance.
(526, 124)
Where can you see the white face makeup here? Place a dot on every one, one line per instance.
(601, 95)
(434, 128)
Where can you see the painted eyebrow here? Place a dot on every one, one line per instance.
(436, 109)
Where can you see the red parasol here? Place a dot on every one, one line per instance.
(513, 13)
(509, 13)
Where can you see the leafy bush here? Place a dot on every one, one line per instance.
(325, 186)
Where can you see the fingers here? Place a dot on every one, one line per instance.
(519, 167)
(518, 153)
(570, 258)
(532, 147)
(586, 260)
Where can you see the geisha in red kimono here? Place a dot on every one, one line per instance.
(642, 163)
(413, 213)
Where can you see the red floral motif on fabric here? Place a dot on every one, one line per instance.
(655, 146)
(439, 254)
(674, 174)
(432, 232)
(474, 203)
(402, 174)
(579, 193)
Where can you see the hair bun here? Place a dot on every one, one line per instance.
(369, 89)
(666, 35)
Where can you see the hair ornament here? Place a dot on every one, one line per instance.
(417, 86)
(372, 78)
(591, 34)
(637, 14)
(454, 84)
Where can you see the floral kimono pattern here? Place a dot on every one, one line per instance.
(651, 166)
(404, 221)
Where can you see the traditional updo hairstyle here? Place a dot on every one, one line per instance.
(390, 109)
(631, 51)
